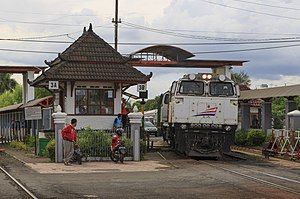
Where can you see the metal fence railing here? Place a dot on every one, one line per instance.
(12, 127)
(95, 144)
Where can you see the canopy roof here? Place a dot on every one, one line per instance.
(172, 53)
(90, 58)
(21, 69)
(284, 91)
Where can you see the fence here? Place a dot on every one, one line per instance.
(285, 142)
(95, 144)
(12, 127)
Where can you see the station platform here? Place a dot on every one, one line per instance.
(44, 166)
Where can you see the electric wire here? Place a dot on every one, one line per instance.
(252, 11)
(190, 36)
(153, 43)
(48, 14)
(267, 5)
(199, 52)
(246, 50)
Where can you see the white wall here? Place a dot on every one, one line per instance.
(95, 122)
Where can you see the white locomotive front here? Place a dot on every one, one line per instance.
(202, 114)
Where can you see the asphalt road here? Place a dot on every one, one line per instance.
(187, 178)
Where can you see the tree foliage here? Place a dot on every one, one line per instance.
(6, 83)
(241, 78)
(11, 97)
(15, 96)
(278, 112)
(41, 92)
(149, 105)
(152, 104)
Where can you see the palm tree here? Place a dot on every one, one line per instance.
(241, 78)
(6, 83)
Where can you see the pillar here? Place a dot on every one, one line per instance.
(290, 105)
(28, 91)
(266, 115)
(59, 123)
(245, 115)
(135, 122)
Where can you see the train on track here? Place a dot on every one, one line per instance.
(199, 113)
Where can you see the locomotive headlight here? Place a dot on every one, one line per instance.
(209, 76)
(227, 128)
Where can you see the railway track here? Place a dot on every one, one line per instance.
(251, 175)
(260, 180)
(18, 184)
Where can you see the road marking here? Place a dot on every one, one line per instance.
(18, 183)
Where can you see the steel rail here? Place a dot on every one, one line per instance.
(29, 193)
(272, 184)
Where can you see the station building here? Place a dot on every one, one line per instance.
(92, 77)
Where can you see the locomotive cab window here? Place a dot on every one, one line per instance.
(191, 87)
(166, 98)
(221, 89)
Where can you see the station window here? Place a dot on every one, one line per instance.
(94, 102)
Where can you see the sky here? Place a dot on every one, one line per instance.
(203, 20)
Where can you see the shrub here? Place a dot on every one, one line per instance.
(269, 138)
(18, 145)
(241, 137)
(30, 141)
(143, 148)
(50, 150)
(256, 137)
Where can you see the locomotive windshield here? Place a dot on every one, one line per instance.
(221, 89)
(191, 87)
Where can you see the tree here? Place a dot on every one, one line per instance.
(41, 92)
(278, 113)
(137, 104)
(152, 103)
(11, 97)
(6, 83)
(241, 78)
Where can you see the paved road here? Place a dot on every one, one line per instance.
(186, 179)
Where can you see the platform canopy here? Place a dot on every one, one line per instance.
(172, 53)
(284, 91)
(174, 57)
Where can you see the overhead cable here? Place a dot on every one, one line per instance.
(267, 5)
(252, 11)
(154, 43)
(246, 50)
(190, 36)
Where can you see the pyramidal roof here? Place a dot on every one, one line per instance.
(91, 58)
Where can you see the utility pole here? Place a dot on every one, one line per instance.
(116, 21)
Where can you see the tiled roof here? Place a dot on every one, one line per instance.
(91, 58)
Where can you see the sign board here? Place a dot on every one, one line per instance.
(141, 87)
(53, 85)
(33, 113)
(143, 95)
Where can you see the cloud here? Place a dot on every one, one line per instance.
(276, 66)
